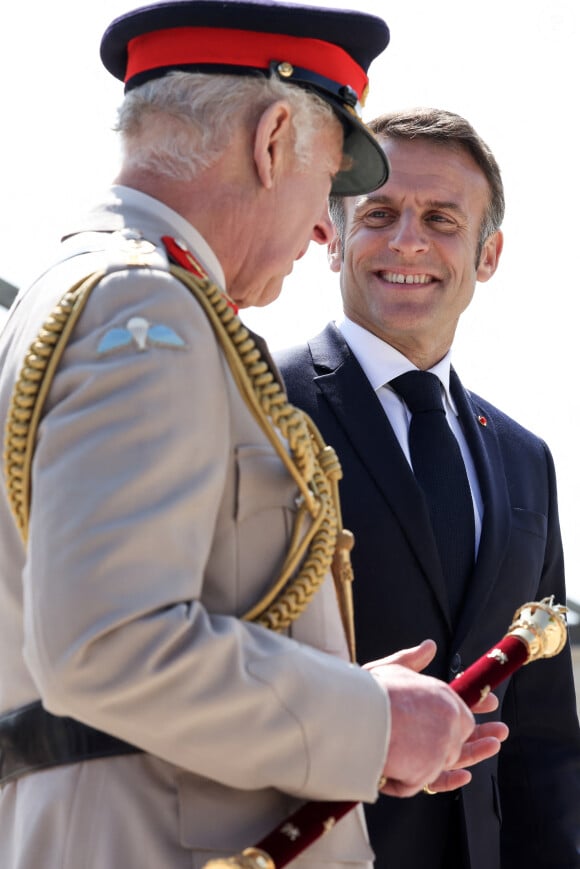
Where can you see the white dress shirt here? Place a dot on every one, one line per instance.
(381, 363)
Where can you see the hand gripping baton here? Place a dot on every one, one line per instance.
(538, 631)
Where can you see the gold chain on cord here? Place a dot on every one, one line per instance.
(315, 546)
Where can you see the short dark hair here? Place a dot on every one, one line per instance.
(446, 128)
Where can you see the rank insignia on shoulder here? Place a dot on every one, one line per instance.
(134, 248)
(179, 253)
(142, 334)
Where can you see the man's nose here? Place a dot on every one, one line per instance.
(408, 236)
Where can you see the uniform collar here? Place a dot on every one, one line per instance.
(125, 207)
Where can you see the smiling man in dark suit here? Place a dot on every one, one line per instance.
(409, 256)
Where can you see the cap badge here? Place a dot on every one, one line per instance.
(285, 69)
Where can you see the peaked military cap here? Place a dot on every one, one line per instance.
(327, 51)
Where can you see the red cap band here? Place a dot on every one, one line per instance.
(179, 46)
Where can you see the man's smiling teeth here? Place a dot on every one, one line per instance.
(395, 278)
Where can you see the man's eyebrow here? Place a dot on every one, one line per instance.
(385, 199)
(444, 204)
(371, 199)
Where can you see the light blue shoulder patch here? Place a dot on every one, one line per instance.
(140, 333)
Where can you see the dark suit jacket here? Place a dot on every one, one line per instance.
(526, 804)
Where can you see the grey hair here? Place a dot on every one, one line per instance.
(445, 128)
(180, 124)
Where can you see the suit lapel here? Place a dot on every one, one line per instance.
(482, 439)
(359, 413)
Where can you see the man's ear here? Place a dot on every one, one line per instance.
(334, 254)
(489, 259)
(273, 136)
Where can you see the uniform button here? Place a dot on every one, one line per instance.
(455, 666)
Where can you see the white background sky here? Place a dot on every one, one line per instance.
(512, 68)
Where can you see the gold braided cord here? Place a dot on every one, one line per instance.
(257, 383)
(30, 393)
(313, 465)
(310, 554)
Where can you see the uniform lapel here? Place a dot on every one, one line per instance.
(359, 413)
(482, 438)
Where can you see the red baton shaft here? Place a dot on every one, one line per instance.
(537, 631)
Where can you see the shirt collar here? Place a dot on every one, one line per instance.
(381, 362)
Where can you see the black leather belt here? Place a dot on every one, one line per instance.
(32, 739)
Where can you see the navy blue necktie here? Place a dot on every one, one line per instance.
(440, 471)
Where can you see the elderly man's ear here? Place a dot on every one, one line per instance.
(272, 139)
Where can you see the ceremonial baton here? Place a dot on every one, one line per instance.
(538, 631)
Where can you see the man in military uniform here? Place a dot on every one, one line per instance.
(174, 675)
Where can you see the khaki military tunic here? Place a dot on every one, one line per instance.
(160, 513)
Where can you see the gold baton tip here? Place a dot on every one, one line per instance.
(542, 626)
